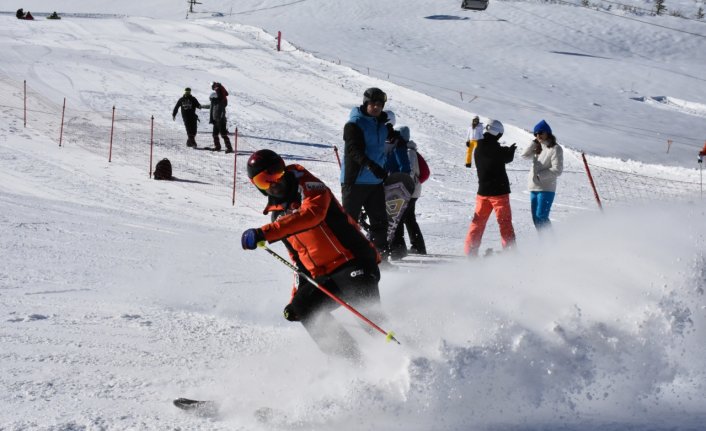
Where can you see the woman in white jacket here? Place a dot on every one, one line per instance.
(547, 164)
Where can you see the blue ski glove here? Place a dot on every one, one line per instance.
(250, 238)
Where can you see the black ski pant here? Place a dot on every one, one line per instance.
(355, 197)
(191, 125)
(221, 128)
(353, 283)
(409, 220)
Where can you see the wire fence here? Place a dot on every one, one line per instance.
(123, 139)
(142, 142)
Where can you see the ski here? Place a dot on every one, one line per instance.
(198, 407)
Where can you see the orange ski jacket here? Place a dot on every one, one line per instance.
(319, 234)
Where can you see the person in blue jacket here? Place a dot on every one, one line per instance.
(362, 166)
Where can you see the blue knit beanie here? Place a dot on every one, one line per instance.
(542, 126)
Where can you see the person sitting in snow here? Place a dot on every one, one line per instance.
(324, 242)
(20, 14)
(54, 15)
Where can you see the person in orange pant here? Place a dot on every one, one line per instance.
(493, 188)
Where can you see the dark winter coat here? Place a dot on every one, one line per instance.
(490, 158)
(188, 105)
(218, 111)
(364, 142)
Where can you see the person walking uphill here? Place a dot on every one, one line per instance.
(219, 101)
(547, 164)
(188, 105)
(493, 188)
(362, 171)
(324, 242)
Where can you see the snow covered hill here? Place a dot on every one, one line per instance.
(119, 293)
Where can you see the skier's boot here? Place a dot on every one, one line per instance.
(216, 143)
(191, 142)
(229, 148)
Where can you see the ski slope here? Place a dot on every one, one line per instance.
(120, 293)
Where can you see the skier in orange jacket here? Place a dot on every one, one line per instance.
(323, 241)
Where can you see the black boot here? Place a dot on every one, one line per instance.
(191, 141)
(216, 143)
(226, 140)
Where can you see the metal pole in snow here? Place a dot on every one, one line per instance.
(112, 123)
(151, 143)
(61, 129)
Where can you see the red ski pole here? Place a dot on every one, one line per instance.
(388, 335)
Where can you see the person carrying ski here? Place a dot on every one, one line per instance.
(475, 132)
(493, 189)
(362, 166)
(219, 101)
(324, 242)
(409, 219)
(188, 105)
(547, 164)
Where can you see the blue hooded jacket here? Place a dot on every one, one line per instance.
(364, 142)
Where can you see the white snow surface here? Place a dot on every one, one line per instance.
(119, 293)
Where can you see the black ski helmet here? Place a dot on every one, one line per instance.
(374, 94)
(264, 160)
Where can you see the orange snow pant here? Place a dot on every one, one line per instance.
(484, 205)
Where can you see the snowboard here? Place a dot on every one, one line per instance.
(398, 191)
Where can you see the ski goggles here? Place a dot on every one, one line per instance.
(266, 178)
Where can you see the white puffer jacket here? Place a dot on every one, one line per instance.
(546, 167)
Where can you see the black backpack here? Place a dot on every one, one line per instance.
(163, 170)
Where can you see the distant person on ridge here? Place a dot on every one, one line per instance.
(493, 188)
(475, 132)
(219, 101)
(188, 105)
(54, 15)
(547, 164)
(20, 14)
(324, 242)
(362, 167)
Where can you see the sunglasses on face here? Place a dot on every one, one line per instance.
(266, 178)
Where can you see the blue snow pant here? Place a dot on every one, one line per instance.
(541, 204)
